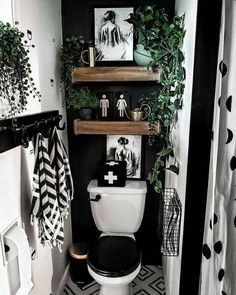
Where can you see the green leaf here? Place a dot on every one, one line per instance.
(151, 177)
(165, 152)
(180, 56)
(158, 186)
(163, 38)
(177, 103)
(173, 168)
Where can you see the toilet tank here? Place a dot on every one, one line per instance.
(120, 209)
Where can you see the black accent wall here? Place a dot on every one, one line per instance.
(77, 16)
(205, 65)
(86, 151)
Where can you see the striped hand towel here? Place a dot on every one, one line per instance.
(60, 164)
(45, 206)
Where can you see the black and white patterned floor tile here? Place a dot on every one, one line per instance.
(148, 282)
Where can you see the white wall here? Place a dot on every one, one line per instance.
(6, 11)
(9, 178)
(172, 265)
(43, 18)
(9, 196)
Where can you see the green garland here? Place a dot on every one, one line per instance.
(16, 83)
(163, 38)
(70, 57)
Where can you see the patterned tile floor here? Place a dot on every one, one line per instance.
(148, 282)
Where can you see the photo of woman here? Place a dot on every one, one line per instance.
(126, 148)
(113, 35)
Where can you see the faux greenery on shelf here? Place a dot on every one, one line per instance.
(16, 83)
(82, 98)
(70, 57)
(163, 37)
(146, 21)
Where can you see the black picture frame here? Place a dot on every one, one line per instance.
(113, 36)
(132, 154)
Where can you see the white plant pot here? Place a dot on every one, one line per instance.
(142, 57)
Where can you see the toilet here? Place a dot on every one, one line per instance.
(115, 259)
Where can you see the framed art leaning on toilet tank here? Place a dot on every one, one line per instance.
(113, 35)
(126, 148)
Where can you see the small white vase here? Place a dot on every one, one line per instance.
(142, 57)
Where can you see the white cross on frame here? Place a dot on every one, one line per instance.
(110, 177)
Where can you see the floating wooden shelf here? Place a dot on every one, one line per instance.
(113, 127)
(113, 74)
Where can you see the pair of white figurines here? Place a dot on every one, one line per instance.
(121, 105)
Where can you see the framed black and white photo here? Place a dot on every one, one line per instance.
(126, 148)
(113, 35)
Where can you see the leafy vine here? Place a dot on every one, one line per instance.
(163, 37)
(16, 83)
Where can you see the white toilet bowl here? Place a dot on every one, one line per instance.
(115, 286)
(115, 259)
(114, 262)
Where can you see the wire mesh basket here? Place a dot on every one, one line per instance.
(170, 222)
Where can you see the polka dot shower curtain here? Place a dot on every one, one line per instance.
(218, 271)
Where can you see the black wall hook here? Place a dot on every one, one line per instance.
(21, 130)
(58, 126)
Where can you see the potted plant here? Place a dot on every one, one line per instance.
(16, 83)
(147, 21)
(84, 101)
(70, 56)
(163, 38)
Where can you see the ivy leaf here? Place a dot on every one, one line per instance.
(163, 37)
(172, 107)
(165, 152)
(129, 20)
(166, 123)
(179, 89)
(155, 107)
(173, 168)
(180, 55)
(151, 177)
(177, 103)
(158, 186)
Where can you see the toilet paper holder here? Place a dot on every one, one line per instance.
(6, 249)
(16, 259)
(4, 246)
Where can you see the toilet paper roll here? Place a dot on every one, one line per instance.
(12, 252)
(17, 240)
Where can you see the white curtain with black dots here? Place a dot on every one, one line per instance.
(218, 270)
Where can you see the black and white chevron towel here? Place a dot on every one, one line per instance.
(60, 164)
(52, 189)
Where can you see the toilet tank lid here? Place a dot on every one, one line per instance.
(131, 187)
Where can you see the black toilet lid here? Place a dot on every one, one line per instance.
(114, 256)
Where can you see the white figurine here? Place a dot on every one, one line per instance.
(104, 105)
(121, 105)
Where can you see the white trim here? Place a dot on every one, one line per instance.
(63, 281)
(13, 12)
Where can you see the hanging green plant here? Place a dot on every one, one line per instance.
(163, 37)
(16, 83)
(70, 57)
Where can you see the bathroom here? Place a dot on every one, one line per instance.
(46, 23)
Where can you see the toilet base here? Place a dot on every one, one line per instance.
(116, 290)
(115, 286)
